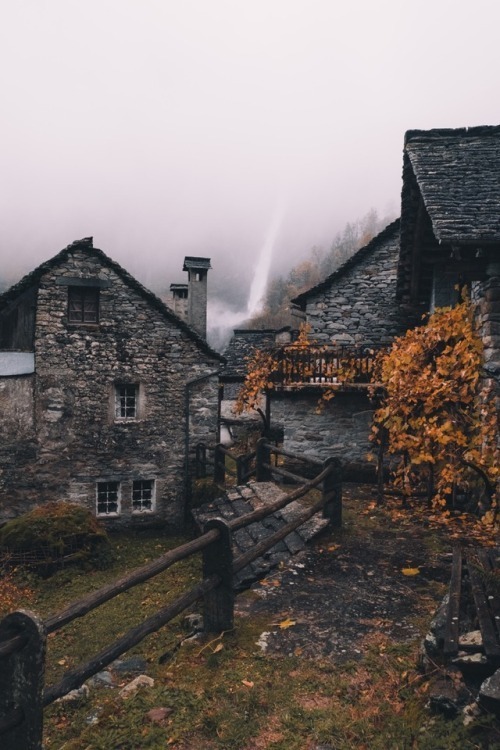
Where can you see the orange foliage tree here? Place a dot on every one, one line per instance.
(434, 413)
(261, 366)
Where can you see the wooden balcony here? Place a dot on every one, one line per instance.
(324, 366)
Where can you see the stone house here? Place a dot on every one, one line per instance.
(450, 229)
(448, 236)
(104, 391)
(354, 307)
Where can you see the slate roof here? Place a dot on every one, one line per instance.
(390, 231)
(239, 501)
(242, 345)
(458, 174)
(190, 261)
(86, 244)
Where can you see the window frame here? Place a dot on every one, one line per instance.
(82, 295)
(152, 496)
(117, 490)
(120, 401)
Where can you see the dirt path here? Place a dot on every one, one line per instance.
(350, 585)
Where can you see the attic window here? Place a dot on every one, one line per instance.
(83, 304)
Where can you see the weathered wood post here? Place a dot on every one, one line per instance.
(22, 664)
(332, 492)
(241, 470)
(263, 460)
(219, 464)
(201, 461)
(218, 612)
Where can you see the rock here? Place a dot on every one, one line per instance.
(447, 697)
(471, 712)
(135, 664)
(476, 665)
(472, 641)
(75, 696)
(158, 715)
(438, 624)
(489, 693)
(101, 679)
(193, 622)
(131, 689)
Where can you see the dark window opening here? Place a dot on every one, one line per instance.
(83, 304)
(107, 498)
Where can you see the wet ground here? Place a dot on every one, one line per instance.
(376, 576)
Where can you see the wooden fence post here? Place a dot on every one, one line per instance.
(332, 492)
(219, 464)
(218, 612)
(263, 456)
(22, 664)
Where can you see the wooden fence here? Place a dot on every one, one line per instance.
(23, 634)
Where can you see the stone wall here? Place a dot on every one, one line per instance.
(78, 440)
(359, 305)
(341, 428)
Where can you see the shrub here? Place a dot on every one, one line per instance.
(53, 534)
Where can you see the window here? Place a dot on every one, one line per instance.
(126, 401)
(143, 495)
(83, 304)
(108, 498)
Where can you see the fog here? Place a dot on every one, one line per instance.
(172, 127)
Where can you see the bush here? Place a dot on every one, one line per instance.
(54, 534)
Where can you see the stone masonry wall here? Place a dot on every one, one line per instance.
(359, 307)
(79, 441)
(340, 429)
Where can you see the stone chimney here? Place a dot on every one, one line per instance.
(197, 269)
(179, 293)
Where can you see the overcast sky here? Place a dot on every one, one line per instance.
(173, 127)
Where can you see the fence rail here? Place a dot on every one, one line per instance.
(23, 635)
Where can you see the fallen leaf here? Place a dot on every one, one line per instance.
(247, 683)
(218, 648)
(286, 623)
(410, 571)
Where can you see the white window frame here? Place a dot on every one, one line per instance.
(108, 514)
(136, 489)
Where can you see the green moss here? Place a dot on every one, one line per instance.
(54, 531)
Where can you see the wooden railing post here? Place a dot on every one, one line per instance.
(22, 664)
(218, 612)
(263, 474)
(332, 492)
(219, 464)
(241, 470)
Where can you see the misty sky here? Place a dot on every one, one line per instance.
(173, 127)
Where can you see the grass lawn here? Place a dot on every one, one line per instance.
(224, 692)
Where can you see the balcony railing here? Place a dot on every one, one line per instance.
(326, 365)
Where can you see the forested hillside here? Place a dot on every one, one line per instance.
(319, 263)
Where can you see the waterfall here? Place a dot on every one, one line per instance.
(222, 320)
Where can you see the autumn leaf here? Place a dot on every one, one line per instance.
(410, 571)
(284, 624)
(218, 648)
(247, 683)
